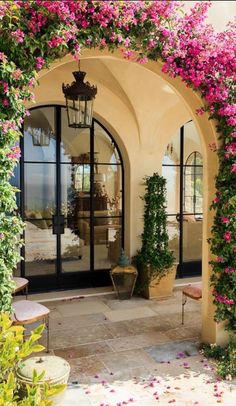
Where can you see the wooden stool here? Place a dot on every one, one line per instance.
(192, 291)
(21, 284)
(28, 312)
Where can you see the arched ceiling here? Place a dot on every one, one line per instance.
(139, 95)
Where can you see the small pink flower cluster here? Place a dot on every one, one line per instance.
(15, 153)
(227, 236)
(5, 86)
(223, 299)
(229, 269)
(233, 168)
(37, 21)
(18, 36)
(55, 41)
(225, 220)
(39, 62)
(220, 259)
(17, 74)
(7, 125)
(230, 150)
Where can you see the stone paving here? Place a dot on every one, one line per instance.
(133, 352)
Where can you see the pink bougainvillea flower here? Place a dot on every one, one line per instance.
(227, 236)
(200, 111)
(220, 259)
(18, 35)
(229, 269)
(17, 74)
(39, 62)
(5, 102)
(233, 168)
(231, 121)
(225, 220)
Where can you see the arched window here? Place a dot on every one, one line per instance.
(193, 184)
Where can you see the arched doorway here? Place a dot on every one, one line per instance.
(71, 201)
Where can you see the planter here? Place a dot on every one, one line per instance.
(56, 369)
(162, 289)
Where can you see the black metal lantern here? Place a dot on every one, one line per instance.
(79, 101)
(124, 277)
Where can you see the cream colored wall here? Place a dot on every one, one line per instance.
(142, 108)
(219, 13)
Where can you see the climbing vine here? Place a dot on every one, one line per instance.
(33, 33)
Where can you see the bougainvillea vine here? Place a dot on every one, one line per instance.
(33, 33)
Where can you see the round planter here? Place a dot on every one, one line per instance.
(56, 369)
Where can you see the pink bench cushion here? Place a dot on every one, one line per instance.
(27, 311)
(21, 283)
(193, 291)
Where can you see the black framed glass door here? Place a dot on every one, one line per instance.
(71, 201)
(183, 169)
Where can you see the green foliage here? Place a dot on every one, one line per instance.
(155, 258)
(13, 350)
(225, 358)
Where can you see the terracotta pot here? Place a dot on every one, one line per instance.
(162, 289)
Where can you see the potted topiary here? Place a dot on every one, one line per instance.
(155, 261)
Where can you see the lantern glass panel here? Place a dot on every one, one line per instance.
(80, 113)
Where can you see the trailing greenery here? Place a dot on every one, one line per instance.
(155, 258)
(225, 358)
(13, 350)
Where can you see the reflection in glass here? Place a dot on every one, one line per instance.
(75, 246)
(192, 238)
(108, 189)
(75, 190)
(40, 190)
(173, 233)
(75, 143)
(104, 147)
(39, 135)
(15, 181)
(193, 184)
(40, 248)
(171, 174)
(107, 242)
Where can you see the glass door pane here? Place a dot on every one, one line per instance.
(40, 205)
(192, 238)
(75, 207)
(40, 198)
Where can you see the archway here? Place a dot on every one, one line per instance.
(184, 51)
(188, 102)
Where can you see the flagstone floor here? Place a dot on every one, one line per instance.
(134, 352)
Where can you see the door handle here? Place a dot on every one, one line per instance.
(58, 224)
(177, 216)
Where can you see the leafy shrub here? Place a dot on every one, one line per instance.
(13, 350)
(225, 358)
(155, 258)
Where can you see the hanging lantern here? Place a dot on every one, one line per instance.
(79, 101)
